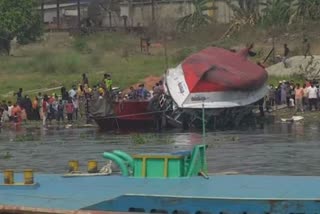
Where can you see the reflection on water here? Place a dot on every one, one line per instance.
(278, 149)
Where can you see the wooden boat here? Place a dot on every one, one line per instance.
(127, 114)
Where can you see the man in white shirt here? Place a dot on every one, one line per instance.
(313, 97)
(72, 92)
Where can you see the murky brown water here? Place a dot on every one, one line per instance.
(279, 149)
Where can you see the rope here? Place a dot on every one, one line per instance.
(106, 168)
(131, 115)
(153, 112)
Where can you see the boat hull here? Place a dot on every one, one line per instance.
(114, 123)
(217, 194)
(127, 115)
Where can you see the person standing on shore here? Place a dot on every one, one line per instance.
(285, 55)
(307, 48)
(108, 82)
(299, 97)
(305, 97)
(70, 109)
(85, 80)
(313, 97)
(45, 110)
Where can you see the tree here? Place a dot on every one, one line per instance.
(306, 9)
(198, 18)
(19, 19)
(100, 8)
(245, 11)
(276, 12)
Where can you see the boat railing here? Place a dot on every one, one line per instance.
(161, 165)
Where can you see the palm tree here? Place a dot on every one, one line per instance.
(198, 18)
(245, 11)
(276, 12)
(306, 9)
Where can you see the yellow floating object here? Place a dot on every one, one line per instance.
(28, 176)
(8, 176)
(92, 166)
(73, 166)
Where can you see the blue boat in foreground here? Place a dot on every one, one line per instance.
(173, 183)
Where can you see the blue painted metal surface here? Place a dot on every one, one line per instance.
(226, 194)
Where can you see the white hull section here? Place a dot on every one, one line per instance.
(177, 88)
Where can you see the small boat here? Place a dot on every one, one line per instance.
(174, 183)
(126, 114)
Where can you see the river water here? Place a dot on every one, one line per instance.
(277, 149)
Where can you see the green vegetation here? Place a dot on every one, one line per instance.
(198, 18)
(20, 20)
(60, 59)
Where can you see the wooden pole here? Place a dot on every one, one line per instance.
(58, 14)
(166, 53)
(152, 11)
(110, 21)
(42, 10)
(79, 15)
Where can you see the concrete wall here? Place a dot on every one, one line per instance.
(223, 13)
(50, 15)
(141, 13)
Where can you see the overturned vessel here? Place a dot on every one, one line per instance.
(224, 83)
(216, 78)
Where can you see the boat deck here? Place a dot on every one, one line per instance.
(102, 192)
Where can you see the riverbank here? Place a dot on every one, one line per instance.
(60, 59)
(289, 115)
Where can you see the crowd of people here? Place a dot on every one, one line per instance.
(304, 97)
(69, 104)
(142, 93)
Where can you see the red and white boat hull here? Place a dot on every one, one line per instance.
(216, 78)
(177, 88)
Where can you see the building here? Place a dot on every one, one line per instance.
(144, 13)
(132, 13)
(68, 13)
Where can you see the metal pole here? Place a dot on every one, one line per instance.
(110, 21)
(166, 53)
(203, 123)
(79, 15)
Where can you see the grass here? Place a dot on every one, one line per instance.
(57, 61)
(60, 59)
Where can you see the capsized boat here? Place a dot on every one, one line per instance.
(223, 82)
(172, 183)
(216, 78)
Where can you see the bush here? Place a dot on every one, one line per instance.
(80, 44)
(47, 62)
(183, 53)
